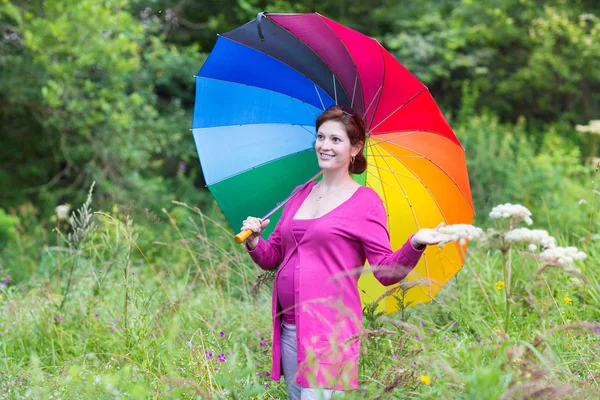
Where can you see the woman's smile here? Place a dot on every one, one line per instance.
(326, 156)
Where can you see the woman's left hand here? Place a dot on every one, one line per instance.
(426, 237)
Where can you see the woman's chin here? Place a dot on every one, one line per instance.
(327, 166)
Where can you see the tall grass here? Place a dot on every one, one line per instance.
(140, 328)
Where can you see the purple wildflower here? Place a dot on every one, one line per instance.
(221, 333)
(446, 338)
(598, 329)
(265, 352)
(452, 323)
(58, 319)
(422, 323)
(258, 373)
(96, 315)
(262, 344)
(479, 336)
(112, 331)
(84, 355)
(216, 369)
(550, 322)
(181, 165)
(266, 385)
(418, 337)
(267, 373)
(258, 333)
(222, 358)
(208, 354)
(5, 282)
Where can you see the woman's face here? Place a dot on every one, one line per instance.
(333, 146)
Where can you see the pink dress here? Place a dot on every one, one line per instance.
(285, 278)
(328, 309)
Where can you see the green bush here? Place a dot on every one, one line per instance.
(7, 227)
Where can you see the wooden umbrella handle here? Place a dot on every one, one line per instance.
(242, 236)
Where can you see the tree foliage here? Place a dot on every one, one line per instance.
(102, 90)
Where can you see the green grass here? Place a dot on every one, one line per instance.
(148, 301)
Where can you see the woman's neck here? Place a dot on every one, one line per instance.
(335, 179)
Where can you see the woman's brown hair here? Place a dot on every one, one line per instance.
(355, 129)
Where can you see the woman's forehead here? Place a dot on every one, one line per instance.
(333, 128)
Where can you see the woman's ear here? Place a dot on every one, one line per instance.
(357, 149)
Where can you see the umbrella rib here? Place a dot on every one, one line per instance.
(334, 88)
(319, 95)
(393, 112)
(380, 91)
(311, 133)
(311, 111)
(380, 142)
(354, 90)
(370, 104)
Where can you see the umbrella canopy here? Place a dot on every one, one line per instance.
(257, 98)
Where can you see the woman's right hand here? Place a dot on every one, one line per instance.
(256, 225)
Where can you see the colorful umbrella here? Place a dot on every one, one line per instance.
(257, 98)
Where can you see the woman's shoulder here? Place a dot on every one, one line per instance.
(365, 201)
(370, 195)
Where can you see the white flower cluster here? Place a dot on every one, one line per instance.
(516, 211)
(62, 212)
(592, 127)
(561, 256)
(534, 237)
(460, 232)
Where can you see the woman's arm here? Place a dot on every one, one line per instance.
(268, 254)
(388, 267)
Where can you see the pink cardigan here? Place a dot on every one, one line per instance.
(328, 307)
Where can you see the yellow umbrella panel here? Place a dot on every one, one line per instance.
(422, 179)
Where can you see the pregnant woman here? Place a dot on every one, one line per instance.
(325, 234)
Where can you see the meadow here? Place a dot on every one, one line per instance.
(126, 303)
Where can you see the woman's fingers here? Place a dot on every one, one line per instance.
(253, 224)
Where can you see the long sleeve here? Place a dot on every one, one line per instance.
(388, 267)
(268, 254)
